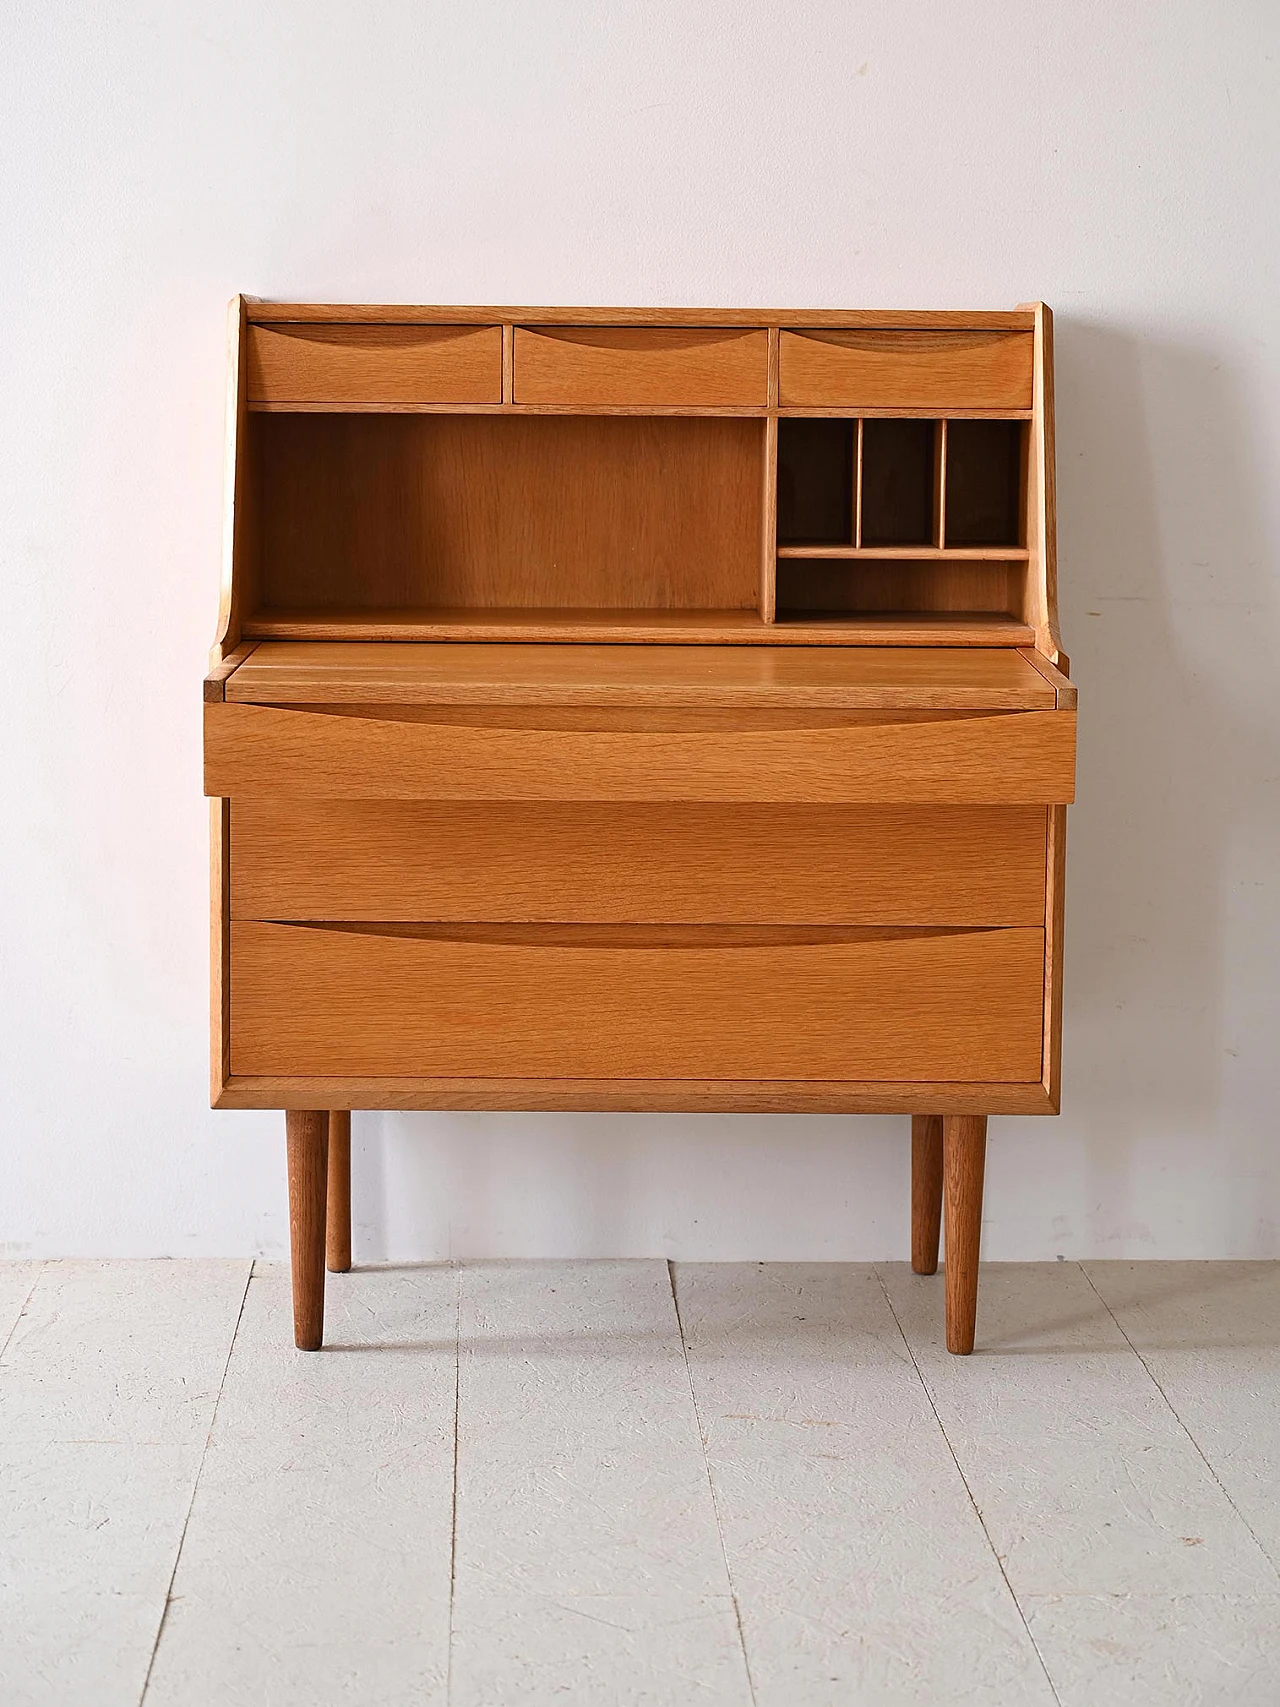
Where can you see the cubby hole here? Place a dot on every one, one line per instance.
(521, 513)
(984, 483)
(898, 482)
(845, 587)
(815, 482)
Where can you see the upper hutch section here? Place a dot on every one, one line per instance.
(816, 478)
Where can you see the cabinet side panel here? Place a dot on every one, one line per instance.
(1055, 872)
(219, 947)
(238, 594)
(1041, 601)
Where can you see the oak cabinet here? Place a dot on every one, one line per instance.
(639, 710)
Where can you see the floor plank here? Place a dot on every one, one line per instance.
(1209, 1332)
(1084, 1477)
(861, 1570)
(107, 1390)
(16, 1282)
(316, 1564)
(1105, 1515)
(1125, 1650)
(588, 1564)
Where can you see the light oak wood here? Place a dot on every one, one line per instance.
(481, 512)
(906, 553)
(994, 679)
(926, 1191)
(1041, 501)
(219, 944)
(673, 1096)
(681, 863)
(995, 758)
(641, 366)
(1064, 689)
(1054, 914)
(637, 1002)
(572, 743)
(334, 364)
(307, 1135)
(338, 1196)
(769, 524)
(925, 370)
(238, 588)
(375, 314)
(964, 1150)
(215, 682)
(691, 628)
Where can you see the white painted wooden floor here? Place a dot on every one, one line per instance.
(616, 1482)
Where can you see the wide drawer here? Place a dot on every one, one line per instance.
(411, 753)
(664, 863)
(637, 1003)
(929, 371)
(675, 366)
(307, 364)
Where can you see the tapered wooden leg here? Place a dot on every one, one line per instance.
(307, 1134)
(338, 1237)
(926, 1191)
(964, 1153)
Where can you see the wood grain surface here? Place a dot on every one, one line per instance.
(926, 370)
(636, 1003)
(995, 758)
(500, 511)
(335, 364)
(686, 863)
(641, 365)
(990, 679)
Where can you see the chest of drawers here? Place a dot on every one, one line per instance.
(638, 710)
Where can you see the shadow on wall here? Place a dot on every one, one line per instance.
(1167, 616)
(1167, 610)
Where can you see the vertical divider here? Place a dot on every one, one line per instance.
(940, 485)
(769, 507)
(769, 523)
(857, 484)
(508, 364)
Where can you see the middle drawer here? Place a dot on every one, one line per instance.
(641, 365)
(661, 863)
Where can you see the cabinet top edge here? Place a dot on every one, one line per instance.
(259, 309)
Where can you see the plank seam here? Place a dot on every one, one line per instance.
(17, 1321)
(1155, 1382)
(195, 1486)
(977, 1510)
(711, 1486)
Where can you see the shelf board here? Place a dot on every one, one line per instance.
(717, 627)
(910, 553)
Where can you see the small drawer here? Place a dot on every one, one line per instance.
(674, 863)
(641, 366)
(928, 371)
(616, 1002)
(309, 364)
(410, 753)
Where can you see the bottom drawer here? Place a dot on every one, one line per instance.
(637, 1002)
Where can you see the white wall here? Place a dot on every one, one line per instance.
(1118, 158)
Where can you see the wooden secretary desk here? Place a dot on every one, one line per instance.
(639, 709)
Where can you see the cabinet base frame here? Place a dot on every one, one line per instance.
(634, 1096)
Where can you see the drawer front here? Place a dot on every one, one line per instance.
(642, 365)
(374, 364)
(929, 371)
(389, 753)
(678, 863)
(605, 1002)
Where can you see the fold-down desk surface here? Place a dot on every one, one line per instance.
(943, 679)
